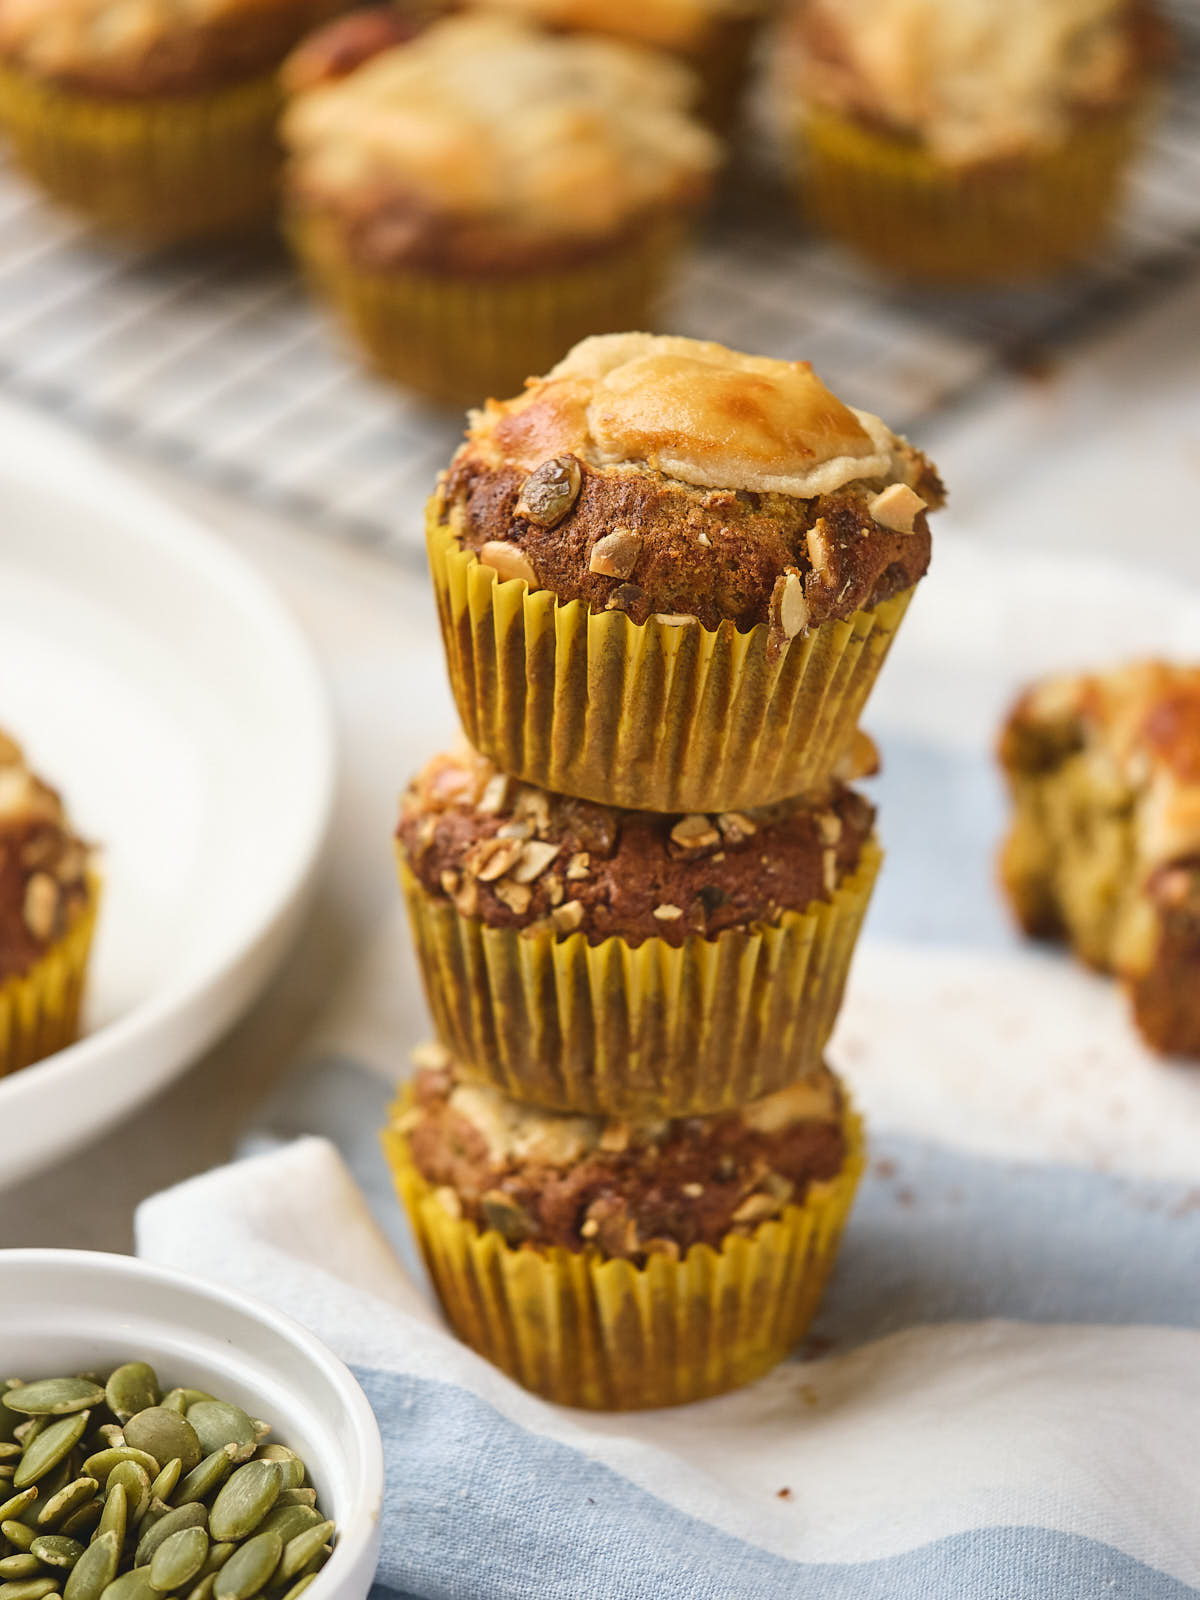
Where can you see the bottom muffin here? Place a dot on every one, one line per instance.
(619, 1265)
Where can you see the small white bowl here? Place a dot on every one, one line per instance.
(78, 1310)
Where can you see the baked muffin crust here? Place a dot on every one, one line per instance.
(674, 476)
(681, 25)
(1104, 850)
(486, 145)
(518, 857)
(43, 865)
(972, 80)
(630, 1190)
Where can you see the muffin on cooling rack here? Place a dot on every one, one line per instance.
(715, 37)
(630, 963)
(618, 1265)
(474, 202)
(667, 574)
(47, 910)
(967, 142)
(1104, 849)
(156, 121)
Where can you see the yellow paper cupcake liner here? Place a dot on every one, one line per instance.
(39, 1012)
(461, 340)
(917, 218)
(608, 1335)
(159, 171)
(655, 716)
(642, 1031)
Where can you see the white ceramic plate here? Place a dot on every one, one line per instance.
(159, 684)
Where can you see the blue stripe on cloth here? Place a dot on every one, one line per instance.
(935, 1235)
(477, 1508)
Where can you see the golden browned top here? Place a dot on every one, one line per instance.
(667, 24)
(1140, 726)
(974, 79)
(486, 117)
(696, 412)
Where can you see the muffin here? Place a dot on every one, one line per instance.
(474, 202)
(156, 121)
(667, 574)
(714, 37)
(630, 963)
(47, 910)
(963, 142)
(618, 1265)
(1104, 849)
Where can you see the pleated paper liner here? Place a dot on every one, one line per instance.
(159, 171)
(39, 1012)
(917, 218)
(657, 716)
(610, 1336)
(642, 1031)
(460, 340)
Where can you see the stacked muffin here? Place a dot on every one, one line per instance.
(667, 575)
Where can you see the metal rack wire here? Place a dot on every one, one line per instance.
(221, 365)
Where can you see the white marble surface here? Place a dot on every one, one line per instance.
(1102, 455)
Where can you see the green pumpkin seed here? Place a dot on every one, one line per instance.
(80, 1523)
(22, 1565)
(131, 1388)
(29, 1589)
(297, 1497)
(298, 1552)
(12, 1509)
(204, 1589)
(115, 1516)
(110, 1436)
(179, 1559)
(54, 1397)
(164, 1435)
(52, 1445)
(95, 1569)
(54, 1550)
(135, 1481)
(292, 1471)
(249, 1569)
(244, 1500)
(180, 1399)
(192, 1516)
(103, 1462)
(9, 1450)
(68, 1499)
(218, 1423)
(26, 1432)
(298, 1589)
(7, 1468)
(17, 1533)
(163, 1486)
(288, 1521)
(132, 1585)
(205, 1479)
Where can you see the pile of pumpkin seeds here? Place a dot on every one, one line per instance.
(112, 1490)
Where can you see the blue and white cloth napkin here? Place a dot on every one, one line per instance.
(1000, 1399)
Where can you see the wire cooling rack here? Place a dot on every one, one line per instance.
(221, 365)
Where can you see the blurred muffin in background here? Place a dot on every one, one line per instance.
(618, 1265)
(715, 37)
(967, 141)
(1104, 848)
(155, 120)
(47, 909)
(474, 202)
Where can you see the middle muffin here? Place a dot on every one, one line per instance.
(632, 963)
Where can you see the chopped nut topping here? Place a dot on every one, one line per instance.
(534, 804)
(789, 608)
(615, 1138)
(625, 598)
(535, 858)
(693, 1190)
(818, 549)
(449, 881)
(829, 826)
(426, 829)
(519, 828)
(662, 1247)
(578, 865)
(615, 555)
(667, 913)
(897, 508)
(829, 869)
(566, 918)
(507, 561)
(553, 886)
(590, 1229)
(448, 1199)
(506, 1215)
(430, 1056)
(495, 795)
(736, 826)
(674, 619)
(694, 832)
(515, 896)
(702, 537)
(466, 901)
(550, 491)
(756, 1208)
(495, 857)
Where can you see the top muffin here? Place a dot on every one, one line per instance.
(668, 476)
(486, 145)
(151, 47)
(43, 866)
(676, 25)
(973, 80)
